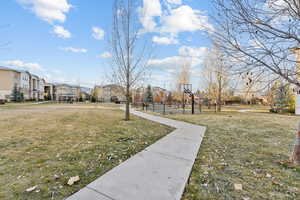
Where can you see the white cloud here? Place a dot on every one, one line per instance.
(171, 64)
(30, 66)
(184, 19)
(48, 10)
(176, 2)
(164, 40)
(61, 32)
(150, 10)
(98, 33)
(171, 19)
(192, 51)
(280, 7)
(75, 50)
(105, 55)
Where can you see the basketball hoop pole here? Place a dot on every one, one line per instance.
(187, 89)
(193, 104)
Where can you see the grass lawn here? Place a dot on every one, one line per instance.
(45, 145)
(242, 148)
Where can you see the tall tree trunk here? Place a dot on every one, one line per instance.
(296, 152)
(127, 110)
(127, 113)
(219, 101)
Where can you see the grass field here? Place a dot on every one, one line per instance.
(45, 145)
(243, 148)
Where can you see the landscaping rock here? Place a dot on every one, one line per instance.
(31, 188)
(56, 176)
(238, 186)
(73, 180)
(268, 175)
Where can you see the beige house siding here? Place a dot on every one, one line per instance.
(64, 91)
(8, 79)
(105, 93)
(297, 54)
(31, 86)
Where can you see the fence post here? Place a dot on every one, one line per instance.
(193, 104)
(164, 108)
(153, 107)
(200, 107)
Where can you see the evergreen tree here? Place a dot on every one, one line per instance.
(16, 95)
(170, 98)
(283, 97)
(148, 95)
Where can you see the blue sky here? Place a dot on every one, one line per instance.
(65, 40)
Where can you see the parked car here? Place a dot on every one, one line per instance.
(2, 101)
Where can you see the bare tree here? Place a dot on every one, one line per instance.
(261, 37)
(182, 76)
(215, 76)
(129, 53)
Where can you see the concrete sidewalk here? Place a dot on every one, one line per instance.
(160, 172)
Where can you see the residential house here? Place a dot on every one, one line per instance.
(66, 92)
(49, 90)
(24, 86)
(138, 95)
(37, 87)
(30, 86)
(85, 94)
(109, 93)
(159, 94)
(296, 51)
(9, 79)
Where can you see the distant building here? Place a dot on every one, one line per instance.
(138, 95)
(67, 92)
(37, 87)
(158, 90)
(25, 87)
(159, 94)
(49, 92)
(29, 85)
(109, 93)
(297, 89)
(9, 79)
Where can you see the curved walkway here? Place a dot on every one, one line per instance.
(160, 172)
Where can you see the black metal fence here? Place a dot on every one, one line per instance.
(169, 108)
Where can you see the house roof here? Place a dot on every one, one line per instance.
(8, 69)
(109, 86)
(16, 70)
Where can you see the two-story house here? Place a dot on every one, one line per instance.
(30, 86)
(9, 79)
(109, 93)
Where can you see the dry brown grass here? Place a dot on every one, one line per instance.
(242, 148)
(45, 145)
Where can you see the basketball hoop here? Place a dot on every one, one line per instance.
(186, 88)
